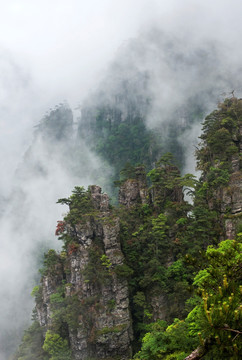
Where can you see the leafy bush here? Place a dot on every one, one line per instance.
(56, 347)
(215, 321)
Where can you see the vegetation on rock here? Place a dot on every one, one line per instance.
(173, 255)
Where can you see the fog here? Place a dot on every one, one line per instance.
(58, 51)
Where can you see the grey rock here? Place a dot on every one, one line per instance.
(105, 326)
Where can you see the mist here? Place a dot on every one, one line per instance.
(69, 52)
(29, 215)
(171, 80)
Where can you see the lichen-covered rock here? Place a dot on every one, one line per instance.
(100, 325)
(100, 201)
(134, 191)
(50, 282)
(105, 325)
(129, 193)
(232, 202)
(232, 194)
(158, 303)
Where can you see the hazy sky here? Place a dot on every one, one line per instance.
(56, 50)
(63, 46)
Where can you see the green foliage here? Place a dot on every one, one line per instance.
(80, 205)
(220, 131)
(37, 294)
(165, 243)
(165, 342)
(203, 227)
(32, 342)
(121, 139)
(58, 297)
(146, 243)
(105, 261)
(123, 271)
(51, 262)
(126, 140)
(139, 299)
(35, 291)
(97, 270)
(167, 183)
(128, 172)
(215, 321)
(78, 198)
(81, 208)
(56, 347)
(219, 316)
(51, 258)
(113, 329)
(217, 177)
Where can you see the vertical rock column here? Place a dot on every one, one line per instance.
(105, 330)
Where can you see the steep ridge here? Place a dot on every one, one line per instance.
(219, 159)
(103, 323)
(128, 270)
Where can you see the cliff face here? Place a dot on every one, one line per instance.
(232, 194)
(219, 159)
(134, 191)
(121, 269)
(84, 294)
(102, 326)
(153, 241)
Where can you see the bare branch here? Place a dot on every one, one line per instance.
(196, 354)
(228, 329)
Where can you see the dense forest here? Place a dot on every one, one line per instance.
(150, 275)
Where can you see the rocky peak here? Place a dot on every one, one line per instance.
(134, 191)
(100, 201)
(51, 280)
(219, 158)
(99, 323)
(232, 194)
